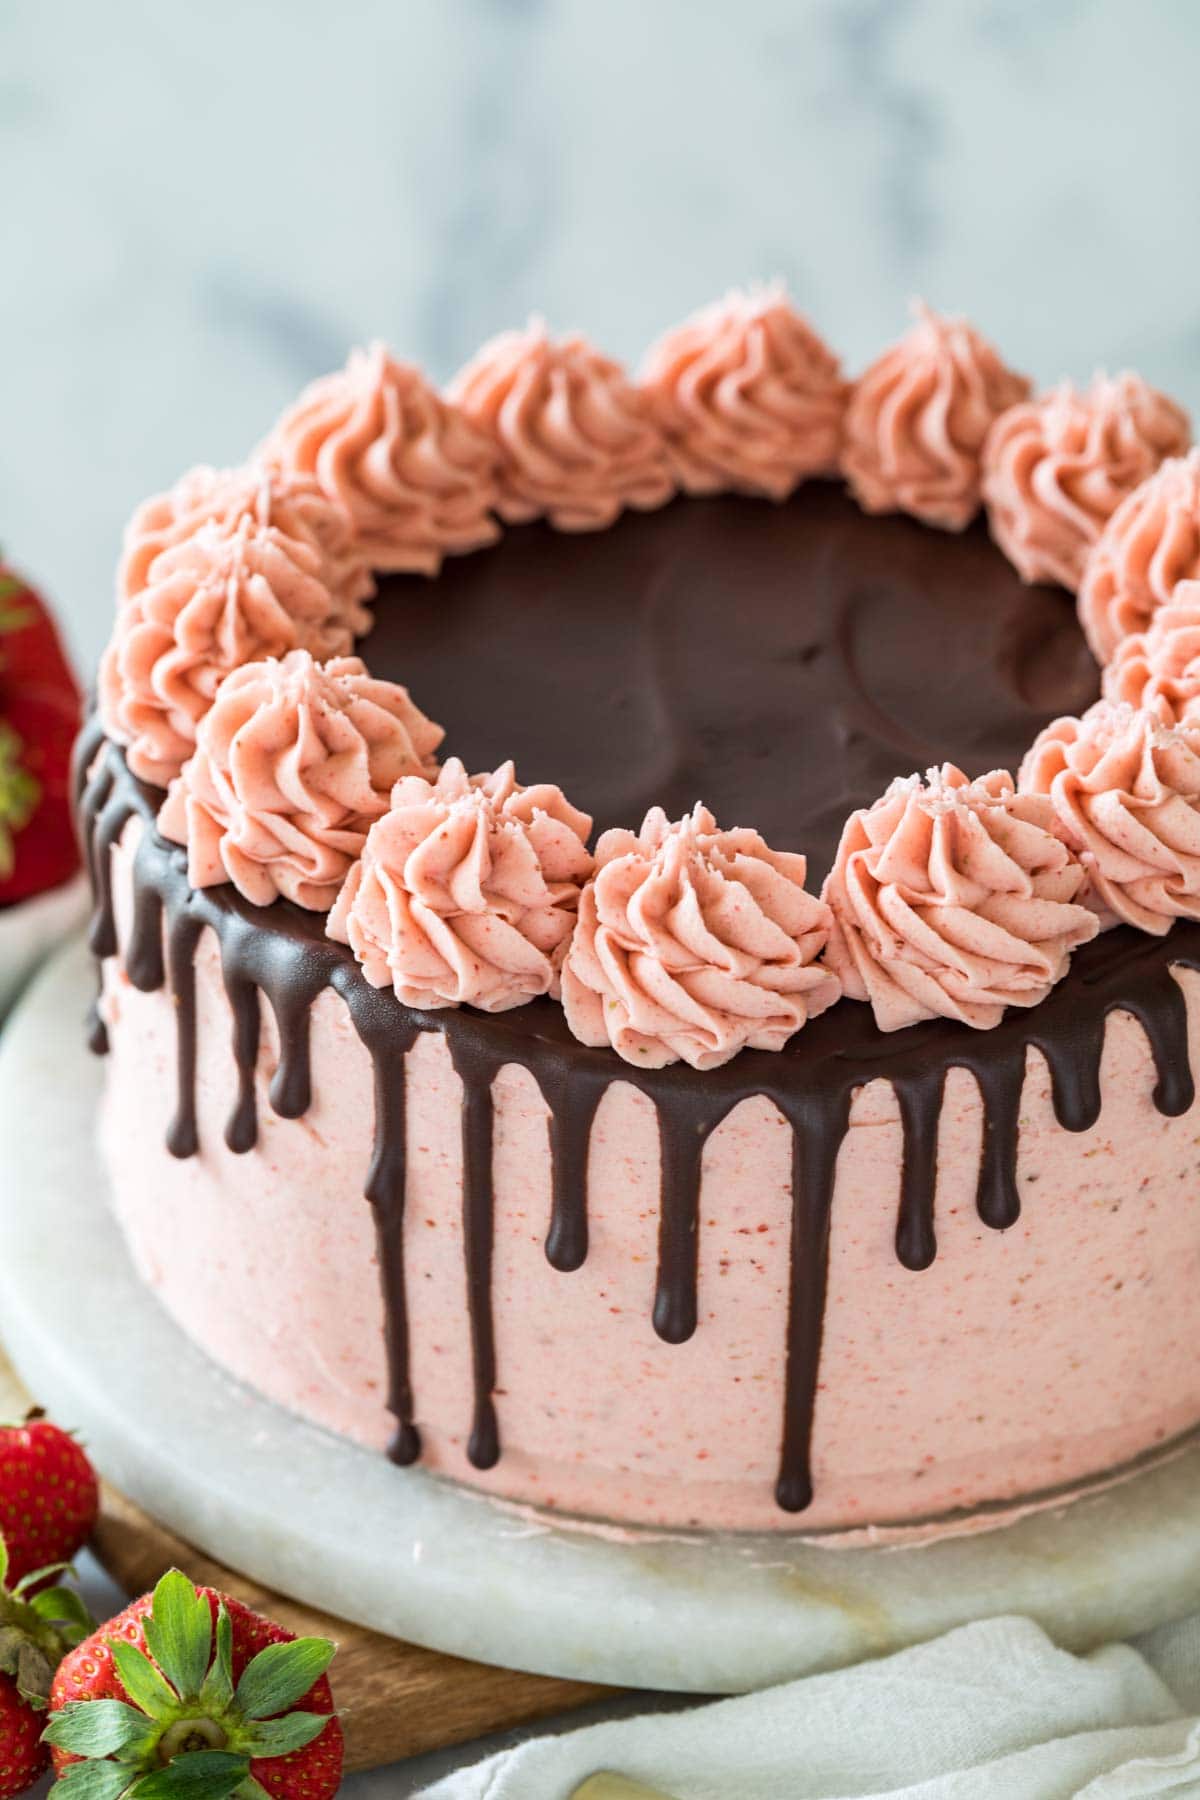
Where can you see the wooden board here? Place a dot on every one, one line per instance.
(395, 1699)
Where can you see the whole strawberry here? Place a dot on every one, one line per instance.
(39, 716)
(188, 1692)
(49, 1495)
(36, 1631)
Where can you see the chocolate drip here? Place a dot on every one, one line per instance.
(280, 954)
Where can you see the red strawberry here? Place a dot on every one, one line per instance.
(49, 1495)
(36, 1631)
(39, 716)
(192, 1693)
(23, 1755)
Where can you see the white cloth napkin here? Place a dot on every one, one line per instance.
(992, 1711)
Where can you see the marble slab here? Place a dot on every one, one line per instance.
(398, 1550)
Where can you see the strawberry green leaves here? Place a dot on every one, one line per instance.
(280, 1675)
(179, 1632)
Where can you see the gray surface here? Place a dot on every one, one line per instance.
(203, 206)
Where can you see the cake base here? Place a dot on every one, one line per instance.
(396, 1550)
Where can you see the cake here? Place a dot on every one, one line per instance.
(640, 968)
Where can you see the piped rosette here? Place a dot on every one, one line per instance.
(1056, 468)
(918, 419)
(412, 472)
(747, 396)
(693, 943)
(954, 899)
(574, 438)
(1159, 668)
(210, 603)
(1149, 546)
(225, 499)
(467, 890)
(294, 761)
(1125, 789)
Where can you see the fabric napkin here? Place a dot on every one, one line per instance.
(992, 1711)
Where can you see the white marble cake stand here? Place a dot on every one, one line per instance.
(395, 1549)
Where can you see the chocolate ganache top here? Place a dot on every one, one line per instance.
(782, 663)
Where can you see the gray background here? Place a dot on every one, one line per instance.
(203, 204)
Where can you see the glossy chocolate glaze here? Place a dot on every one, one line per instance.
(625, 666)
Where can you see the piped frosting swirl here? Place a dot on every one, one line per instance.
(918, 419)
(413, 473)
(293, 504)
(210, 604)
(575, 440)
(1150, 545)
(467, 890)
(955, 899)
(693, 943)
(1125, 789)
(1056, 468)
(747, 396)
(1159, 668)
(294, 760)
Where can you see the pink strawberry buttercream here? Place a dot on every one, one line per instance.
(211, 603)
(918, 418)
(1056, 468)
(293, 762)
(747, 396)
(1159, 668)
(293, 504)
(1150, 545)
(693, 943)
(953, 898)
(1126, 795)
(415, 476)
(575, 439)
(467, 890)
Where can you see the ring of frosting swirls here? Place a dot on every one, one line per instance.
(954, 899)
(693, 943)
(293, 504)
(1159, 668)
(413, 473)
(1126, 794)
(1150, 545)
(294, 761)
(210, 604)
(467, 890)
(1056, 468)
(918, 418)
(575, 440)
(747, 396)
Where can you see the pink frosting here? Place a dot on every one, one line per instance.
(293, 504)
(1056, 468)
(467, 890)
(918, 418)
(212, 603)
(955, 899)
(575, 439)
(1126, 793)
(1159, 668)
(693, 943)
(294, 760)
(414, 474)
(747, 396)
(1150, 545)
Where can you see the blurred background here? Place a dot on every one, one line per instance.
(202, 206)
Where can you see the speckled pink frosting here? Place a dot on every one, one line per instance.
(918, 418)
(467, 890)
(1150, 545)
(293, 762)
(1056, 468)
(575, 440)
(954, 899)
(412, 472)
(1159, 668)
(693, 943)
(747, 396)
(1125, 789)
(210, 604)
(293, 504)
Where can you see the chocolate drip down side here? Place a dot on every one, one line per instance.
(280, 956)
